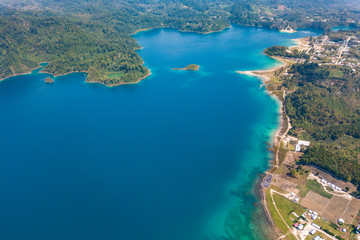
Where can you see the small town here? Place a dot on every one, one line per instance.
(306, 199)
(308, 203)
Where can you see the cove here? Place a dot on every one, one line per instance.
(176, 156)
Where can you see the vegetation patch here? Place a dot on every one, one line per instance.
(191, 67)
(286, 207)
(314, 186)
(274, 214)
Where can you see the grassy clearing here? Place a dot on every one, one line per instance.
(311, 237)
(286, 206)
(274, 215)
(332, 227)
(336, 73)
(291, 237)
(115, 75)
(315, 187)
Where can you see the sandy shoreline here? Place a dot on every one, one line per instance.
(265, 74)
(284, 123)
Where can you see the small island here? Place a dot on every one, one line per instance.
(49, 80)
(191, 67)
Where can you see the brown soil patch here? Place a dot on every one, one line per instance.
(291, 157)
(315, 202)
(336, 208)
(285, 184)
(352, 211)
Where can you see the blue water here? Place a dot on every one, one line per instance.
(174, 157)
(335, 29)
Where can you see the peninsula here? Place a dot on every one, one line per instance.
(191, 67)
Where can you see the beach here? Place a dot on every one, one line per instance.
(284, 125)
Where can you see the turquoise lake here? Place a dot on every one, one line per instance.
(175, 157)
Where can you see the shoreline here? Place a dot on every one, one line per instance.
(60, 75)
(186, 31)
(123, 83)
(114, 85)
(25, 73)
(265, 74)
(209, 32)
(278, 134)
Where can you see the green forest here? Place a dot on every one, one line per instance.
(94, 36)
(323, 104)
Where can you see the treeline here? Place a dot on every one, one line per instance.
(93, 36)
(285, 52)
(333, 162)
(67, 45)
(323, 104)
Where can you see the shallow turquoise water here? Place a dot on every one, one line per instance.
(173, 157)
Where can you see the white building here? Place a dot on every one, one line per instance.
(301, 143)
(304, 143)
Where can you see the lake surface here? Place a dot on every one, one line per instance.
(335, 29)
(176, 156)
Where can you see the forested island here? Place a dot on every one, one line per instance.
(191, 67)
(94, 36)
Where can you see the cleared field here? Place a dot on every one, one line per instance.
(315, 202)
(335, 209)
(115, 75)
(286, 206)
(352, 210)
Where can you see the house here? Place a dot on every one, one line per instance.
(304, 143)
(341, 221)
(314, 225)
(301, 143)
(317, 238)
(312, 232)
(300, 227)
(296, 224)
